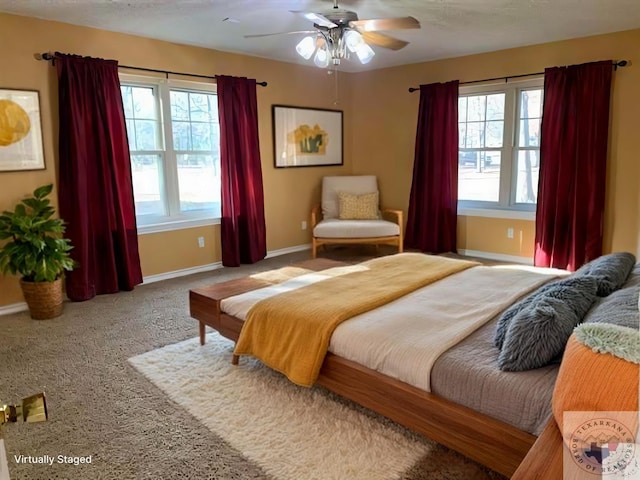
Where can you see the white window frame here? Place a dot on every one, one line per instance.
(175, 219)
(505, 207)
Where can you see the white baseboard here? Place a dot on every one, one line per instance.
(497, 256)
(22, 306)
(213, 266)
(180, 273)
(13, 308)
(284, 251)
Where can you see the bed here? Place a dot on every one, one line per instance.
(464, 405)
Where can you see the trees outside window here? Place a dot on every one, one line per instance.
(174, 139)
(499, 145)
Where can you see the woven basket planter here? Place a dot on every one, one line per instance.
(43, 298)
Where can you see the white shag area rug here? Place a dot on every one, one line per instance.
(292, 432)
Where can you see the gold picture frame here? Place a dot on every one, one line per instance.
(307, 137)
(20, 131)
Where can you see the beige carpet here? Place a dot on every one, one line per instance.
(100, 405)
(292, 432)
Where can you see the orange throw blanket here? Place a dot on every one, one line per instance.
(290, 332)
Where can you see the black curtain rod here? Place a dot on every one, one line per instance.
(621, 63)
(51, 58)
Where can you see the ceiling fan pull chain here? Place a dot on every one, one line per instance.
(336, 96)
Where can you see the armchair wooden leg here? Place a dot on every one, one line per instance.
(314, 248)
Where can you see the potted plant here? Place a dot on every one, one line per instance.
(37, 251)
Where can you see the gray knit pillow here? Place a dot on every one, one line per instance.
(539, 333)
(611, 271)
(633, 280)
(619, 308)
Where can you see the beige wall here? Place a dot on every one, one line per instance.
(490, 235)
(289, 193)
(380, 119)
(385, 110)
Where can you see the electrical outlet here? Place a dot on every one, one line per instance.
(509, 232)
(304, 225)
(201, 242)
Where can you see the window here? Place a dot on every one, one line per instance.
(174, 139)
(499, 145)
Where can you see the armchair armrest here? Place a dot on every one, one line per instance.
(315, 215)
(396, 213)
(399, 221)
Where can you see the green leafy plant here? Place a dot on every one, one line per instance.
(36, 249)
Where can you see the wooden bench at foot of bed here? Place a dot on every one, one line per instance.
(204, 302)
(484, 439)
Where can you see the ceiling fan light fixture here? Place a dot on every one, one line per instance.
(306, 47)
(365, 53)
(321, 58)
(340, 33)
(353, 39)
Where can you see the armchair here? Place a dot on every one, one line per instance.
(347, 214)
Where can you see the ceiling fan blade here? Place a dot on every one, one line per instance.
(385, 41)
(375, 24)
(316, 18)
(280, 33)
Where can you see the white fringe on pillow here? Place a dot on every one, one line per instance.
(621, 342)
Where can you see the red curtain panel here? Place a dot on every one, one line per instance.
(95, 189)
(573, 155)
(243, 225)
(433, 204)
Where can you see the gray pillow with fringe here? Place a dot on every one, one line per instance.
(539, 333)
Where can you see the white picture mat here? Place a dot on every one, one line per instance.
(287, 119)
(27, 153)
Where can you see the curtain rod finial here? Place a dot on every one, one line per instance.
(44, 56)
(621, 63)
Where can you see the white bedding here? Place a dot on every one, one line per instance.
(239, 305)
(404, 338)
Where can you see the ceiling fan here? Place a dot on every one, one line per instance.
(339, 32)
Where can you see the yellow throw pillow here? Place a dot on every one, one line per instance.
(358, 207)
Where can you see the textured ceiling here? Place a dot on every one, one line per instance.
(450, 28)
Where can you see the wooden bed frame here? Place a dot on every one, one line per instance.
(484, 439)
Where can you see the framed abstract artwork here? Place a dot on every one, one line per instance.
(20, 131)
(306, 137)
